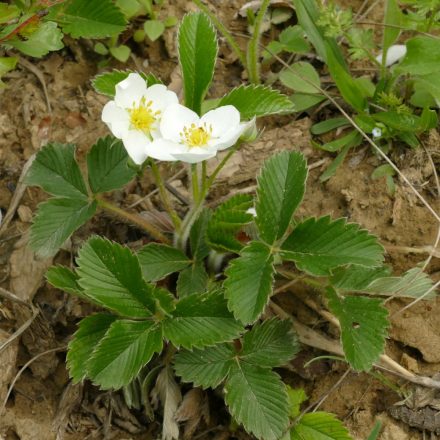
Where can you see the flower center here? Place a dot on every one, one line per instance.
(143, 117)
(194, 136)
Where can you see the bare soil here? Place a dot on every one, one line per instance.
(44, 404)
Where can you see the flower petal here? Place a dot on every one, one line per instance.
(394, 54)
(222, 119)
(163, 149)
(174, 118)
(130, 90)
(116, 118)
(195, 155)
(161, 97)
(136, 142)
(230, 137)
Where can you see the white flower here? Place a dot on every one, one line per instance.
(134, 115)
(252, 211)
(394, 54)
(187, 137)
(376, 132)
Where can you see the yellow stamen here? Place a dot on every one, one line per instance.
(194, 136)
(143, 117)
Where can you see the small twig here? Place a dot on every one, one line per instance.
(12, 297)
(37, 72)
(23, 368)
(18, 194)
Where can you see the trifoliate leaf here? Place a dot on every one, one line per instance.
(91, 330)
(48, 37)
(319, 245)
(65, 279)
(205, 368)
(105, 83)
(257, 398)
(89, 19)
(257, 100)
(56, 221)
(357, 278)
(270, 344)
(201, 320)
(192, 280)
(280, 190)
(107, 165)
(57, 172)
(111, 275)
(159, 260)
(126, 347)
(364, 324)
(249, 282)
(227, 220)
(319, 426)
(301, 77)
(197, 41)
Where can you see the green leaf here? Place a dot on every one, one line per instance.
(107, 165)
(319, 426)
(307, 12)
(198, 48)
(63, 278)
(422, 56)
(192, 280)
(319, 245)
(8, 12)
(357, 278)
(130, 8)
(55, 222)
(226, 222)
(382, 171)
(257, 398)
(105, 83)
(398, 121)
(249, 282)
(349, 88)
(126, 347)
(351, 139)
(6, 64)
(412, 284)
(201, 320)
(111, 275)
(280, 190)
(301, 77)
(57, 172)
(91, 330)
(374, 434)
(205, 368)
(159, 260)
(328, 125)
(48, 37)
(270, 344)
(296, 398)
(303, 101)
(121, 52)
(257, 100)
(197, 236)
(332, 168)
(364, 325)
(292, 38)
(154, 29)
(89, 19)
(393, 22)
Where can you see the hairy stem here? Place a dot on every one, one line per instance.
(134, 219)
(253, 63)
(164, 196)
(224, 31)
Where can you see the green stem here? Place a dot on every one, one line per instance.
(224, 31)
(253, 64)
(164, 195)
(195, 183)
(134, 219)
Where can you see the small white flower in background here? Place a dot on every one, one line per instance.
(376, 132)
(394, 54)
(135, 114)
(187, 137)
(252, 211)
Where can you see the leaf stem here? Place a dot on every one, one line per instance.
(253, 64)
(224, 31)
(134, 219)
(195, 183)
(164, 195)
